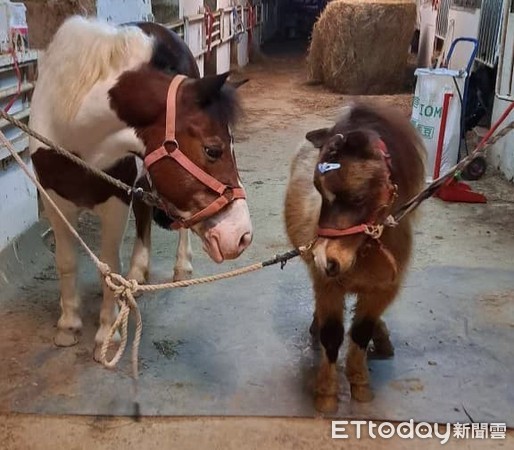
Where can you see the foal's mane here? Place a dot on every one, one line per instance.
(85, 51)
(404, 144)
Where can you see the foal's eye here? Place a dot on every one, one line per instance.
(213, 153)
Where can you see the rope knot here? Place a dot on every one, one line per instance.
(123, 290)
(121, 287)
(374, 231)
(390, 221)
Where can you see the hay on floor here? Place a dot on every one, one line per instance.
(362, 46)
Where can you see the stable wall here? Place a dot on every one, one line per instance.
(194, 37)
(119, 12)
(501, 155)
(223, 51)
(466, 22)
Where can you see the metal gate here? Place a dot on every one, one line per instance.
(489, 32)
(505, 75)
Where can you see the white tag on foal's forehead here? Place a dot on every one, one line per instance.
(327, 167)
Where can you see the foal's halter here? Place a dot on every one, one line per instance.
(170, 149)
(370, 228)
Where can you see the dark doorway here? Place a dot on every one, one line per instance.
(297, 17)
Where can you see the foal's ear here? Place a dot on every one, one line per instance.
(358, 143)
(318, 137)
(357, 139)
(209, 87)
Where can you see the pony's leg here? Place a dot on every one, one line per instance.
(140, 261)
(370, 306)
(113, 215)
(183, 264)
(382, 345)
(69, 323)
(329, 317)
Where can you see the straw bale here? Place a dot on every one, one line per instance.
(361, 46)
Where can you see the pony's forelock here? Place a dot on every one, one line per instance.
(225, 106)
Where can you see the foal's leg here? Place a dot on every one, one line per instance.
(69, 323)
(329, 322)
(140, 262)
(183, 264)
(113, 215)
(370, 306)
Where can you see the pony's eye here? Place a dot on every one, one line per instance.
(213, 153)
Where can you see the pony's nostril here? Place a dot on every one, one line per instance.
(332, 268)
(245, 241)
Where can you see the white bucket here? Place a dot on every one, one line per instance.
(427, 112)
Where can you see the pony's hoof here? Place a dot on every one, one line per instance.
(362, 393)
(66, 338)
(327, 404)
(138, 274)
(182, 274)
(101, 335)
(97, 354)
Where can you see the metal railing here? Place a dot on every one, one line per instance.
(489, 32)
(20, 88)
(441, 26)
(219, 34)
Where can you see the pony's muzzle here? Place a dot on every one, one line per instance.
(333, 257)
(230, 232)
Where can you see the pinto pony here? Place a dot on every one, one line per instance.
(345, 180)
(115, 96)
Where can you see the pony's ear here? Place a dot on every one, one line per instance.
(238, 84)
(209, 87)
(318, 137)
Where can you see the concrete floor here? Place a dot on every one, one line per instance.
(241, 348)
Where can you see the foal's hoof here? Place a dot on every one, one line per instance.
(66, 338)
(326, 403)
(381, 350)
(362, 393)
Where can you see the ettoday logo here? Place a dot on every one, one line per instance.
(422, 430)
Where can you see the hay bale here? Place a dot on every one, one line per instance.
(362, 46)
(44, 17)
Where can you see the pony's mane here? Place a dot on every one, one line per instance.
(85, 51)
